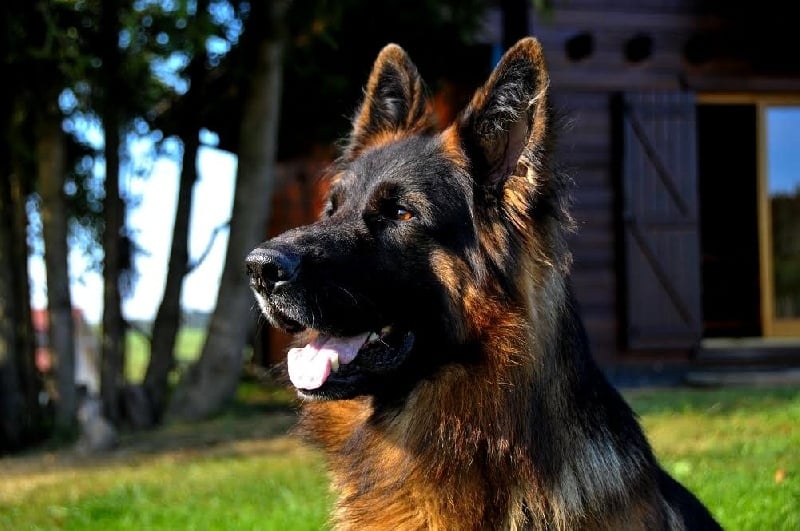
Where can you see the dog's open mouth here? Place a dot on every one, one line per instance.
(334, 364)
(329, 360)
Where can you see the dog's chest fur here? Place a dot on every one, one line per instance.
(440, 471)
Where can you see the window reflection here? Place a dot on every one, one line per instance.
(783, 185)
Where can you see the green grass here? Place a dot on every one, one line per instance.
(188, 345)
(267, 486)
(238, 471)
(241, 472)
(738, 450)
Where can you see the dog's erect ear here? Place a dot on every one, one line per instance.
(507, 120)
(394, 102)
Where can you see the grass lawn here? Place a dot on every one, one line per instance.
(239, 471)
(738, 449)
(189, 342)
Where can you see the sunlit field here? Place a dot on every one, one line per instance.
(736, 448)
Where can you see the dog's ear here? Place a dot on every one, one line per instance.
(506, 123)
(394, 102)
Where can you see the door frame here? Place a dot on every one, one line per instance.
(770, 326)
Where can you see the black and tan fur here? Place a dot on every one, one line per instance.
(493, 414)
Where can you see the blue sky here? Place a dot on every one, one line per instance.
(152, 220)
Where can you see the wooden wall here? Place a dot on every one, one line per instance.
(585, 152)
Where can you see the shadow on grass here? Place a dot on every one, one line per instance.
(257, 421)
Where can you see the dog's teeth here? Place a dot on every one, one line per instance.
(372, 337)
(335, 361)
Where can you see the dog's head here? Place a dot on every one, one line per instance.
(390, 282)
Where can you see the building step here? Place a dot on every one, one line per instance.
(749, 351)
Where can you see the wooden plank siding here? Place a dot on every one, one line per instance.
(585, 151)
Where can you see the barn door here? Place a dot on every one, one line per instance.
(660, 221)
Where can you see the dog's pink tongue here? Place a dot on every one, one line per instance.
(310, 366)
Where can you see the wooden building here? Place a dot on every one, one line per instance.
(688, 246)
(679, 117)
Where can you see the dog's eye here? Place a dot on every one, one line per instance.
(393, 211)
(402, 214)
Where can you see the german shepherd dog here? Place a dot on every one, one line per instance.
(443, 367)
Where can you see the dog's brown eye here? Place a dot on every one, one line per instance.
(389, 209)
(402, 214)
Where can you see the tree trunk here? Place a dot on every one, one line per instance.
(212, 380)
(167, 321)
(168, 317)
(51, 173)
(12, 401)
(19, 402)
(30, 377)
(112, 377)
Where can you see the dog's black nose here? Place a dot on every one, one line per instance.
(269, 267)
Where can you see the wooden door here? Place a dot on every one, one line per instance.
(660, 204)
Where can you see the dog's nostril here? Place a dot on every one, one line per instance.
(271, 266)
(278, 270)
